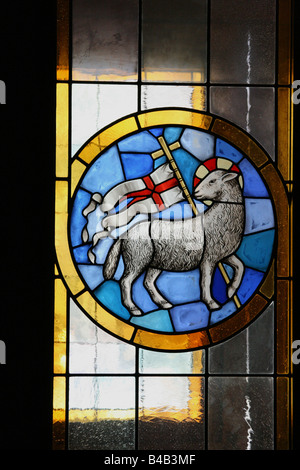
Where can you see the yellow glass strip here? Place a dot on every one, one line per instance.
(282, 214)
(62, 129)
(175, 116)
(60, 328)
(77, 170)
(62, 28)
(284, 133)
(61, 238)
(59, 413)
(241, 140)
(195, 409)
(93, 75)
(107, 137)
(105, 319)
(283, 326)
(283, 413)
(284, 42)
(95, 415)
(171, 342)
(172, 76)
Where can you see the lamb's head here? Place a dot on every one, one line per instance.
(219, 186)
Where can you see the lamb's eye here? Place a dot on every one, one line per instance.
(212, 181)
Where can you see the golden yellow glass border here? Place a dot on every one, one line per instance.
(132, 124)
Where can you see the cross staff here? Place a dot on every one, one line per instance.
(165, 150)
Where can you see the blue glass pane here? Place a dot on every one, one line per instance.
(172, 134)
(143, 142)
(80, 254)
(141, 296)
(180, 287)
(250, 282)
(219, 287)
(228, 309)
(198, 143)
(190, 316)
(256, 250)
(157, 131)
(187, 166)
(225, 150)
(93, 275)
(259, 215)
(109, 294)
(157, 321)
(104, 173)
(253, 183)
(136, 165)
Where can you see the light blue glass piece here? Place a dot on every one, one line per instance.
(93, 275)
(143, 142)
(105, 173)
(225, 311)
(82, 199)
(157, 321)
(136, 165)
(190, 316)
(225, 150)
(198, 143)
(179, 287)
(172, 134)
(259, 215)
(256, 249)
(109, 294)
(160, 161)
(253, 183)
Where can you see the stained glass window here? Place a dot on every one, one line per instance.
(173, 225)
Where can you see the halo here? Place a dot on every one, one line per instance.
(217, 163)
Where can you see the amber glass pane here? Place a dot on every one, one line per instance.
(284, 132)
(174, 41)
(59, 413)
(283, 413)
(105, 40)
(243, 41)
(62, 40)
(284, 42)
(283, 332)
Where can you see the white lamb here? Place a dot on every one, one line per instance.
(182, 245)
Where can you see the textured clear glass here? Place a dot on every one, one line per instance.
(155, 362)
(240, 413)
(160, 96)
(171, 413)
(174, 40)
(251, 108)
(243, 41)
(92, 108)
(249, 352)
(92, 350)
(101, 413)
(105, 40)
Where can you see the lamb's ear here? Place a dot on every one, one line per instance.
(229, 176)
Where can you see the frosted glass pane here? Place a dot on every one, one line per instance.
(243, 41)
(92, 350)
(240, 413)
(101, 413)
(171, 413)
(174, 40)
(105, 40)
(253, 109)
(153, 362)
(249, 352)
(180, 96)
(95, 106)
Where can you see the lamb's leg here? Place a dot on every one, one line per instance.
(238, 267)
(126, 282)
(149, 282)
(206, 273)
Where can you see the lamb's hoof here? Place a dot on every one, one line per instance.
(212, 305)
(136, 312)
(165, 305)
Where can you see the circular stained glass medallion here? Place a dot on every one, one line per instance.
(172, 229)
